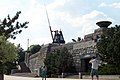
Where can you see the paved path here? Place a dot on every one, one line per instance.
(7, 77)
(28, 78)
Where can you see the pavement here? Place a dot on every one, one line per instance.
(8, 77)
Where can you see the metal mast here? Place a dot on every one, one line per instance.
(48, 22)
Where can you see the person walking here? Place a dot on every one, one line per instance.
(94, 68)
(44, 72)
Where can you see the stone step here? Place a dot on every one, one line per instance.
(24, 68)
(24, 74)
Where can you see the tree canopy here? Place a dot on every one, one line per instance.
(10, 27)
(34, 49)
(58, 62)
(109, 46)
(8, 53)
(21, 54)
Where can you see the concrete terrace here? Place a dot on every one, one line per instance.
(108, 77)
(30, 78)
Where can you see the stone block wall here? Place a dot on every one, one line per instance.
(81, 50)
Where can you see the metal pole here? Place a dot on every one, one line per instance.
(62, 75)
(80, 75)
(48, 21)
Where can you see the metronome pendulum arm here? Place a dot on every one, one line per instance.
(48, 22)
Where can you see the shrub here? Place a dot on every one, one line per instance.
(109, 69)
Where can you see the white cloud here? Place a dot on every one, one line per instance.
(83, 19)
(38, 30)
(88, 21)
(103, 5)
(85, 23)
(56, 4)
(114, 5)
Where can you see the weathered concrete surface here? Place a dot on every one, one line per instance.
(29, 78)
(105, 77)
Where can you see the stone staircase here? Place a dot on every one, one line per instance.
(23, 69)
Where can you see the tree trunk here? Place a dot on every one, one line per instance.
(1, 76)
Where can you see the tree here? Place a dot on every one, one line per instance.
(34, 49)
(109, 46)
(10, 27)
(59, 62)
(21, 54)
(8, 53)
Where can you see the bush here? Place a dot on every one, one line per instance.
(8, 54)
(109, 69)
(58, 62)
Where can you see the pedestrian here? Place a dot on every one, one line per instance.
(94, 68)
(18, 67)
(44, 72)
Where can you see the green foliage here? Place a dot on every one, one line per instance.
(21, 54)
(10, 27)
(109, 46)
(8, 53)
(34, 49)
(109, 70)
(8, 66)
(59, 61)
(7, 50)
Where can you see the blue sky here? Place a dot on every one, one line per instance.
(75, 18)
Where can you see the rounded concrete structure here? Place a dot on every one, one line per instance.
(103, 24)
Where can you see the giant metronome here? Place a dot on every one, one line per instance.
(58, 36)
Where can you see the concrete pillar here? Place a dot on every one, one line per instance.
(62, 75)
(80, 75)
